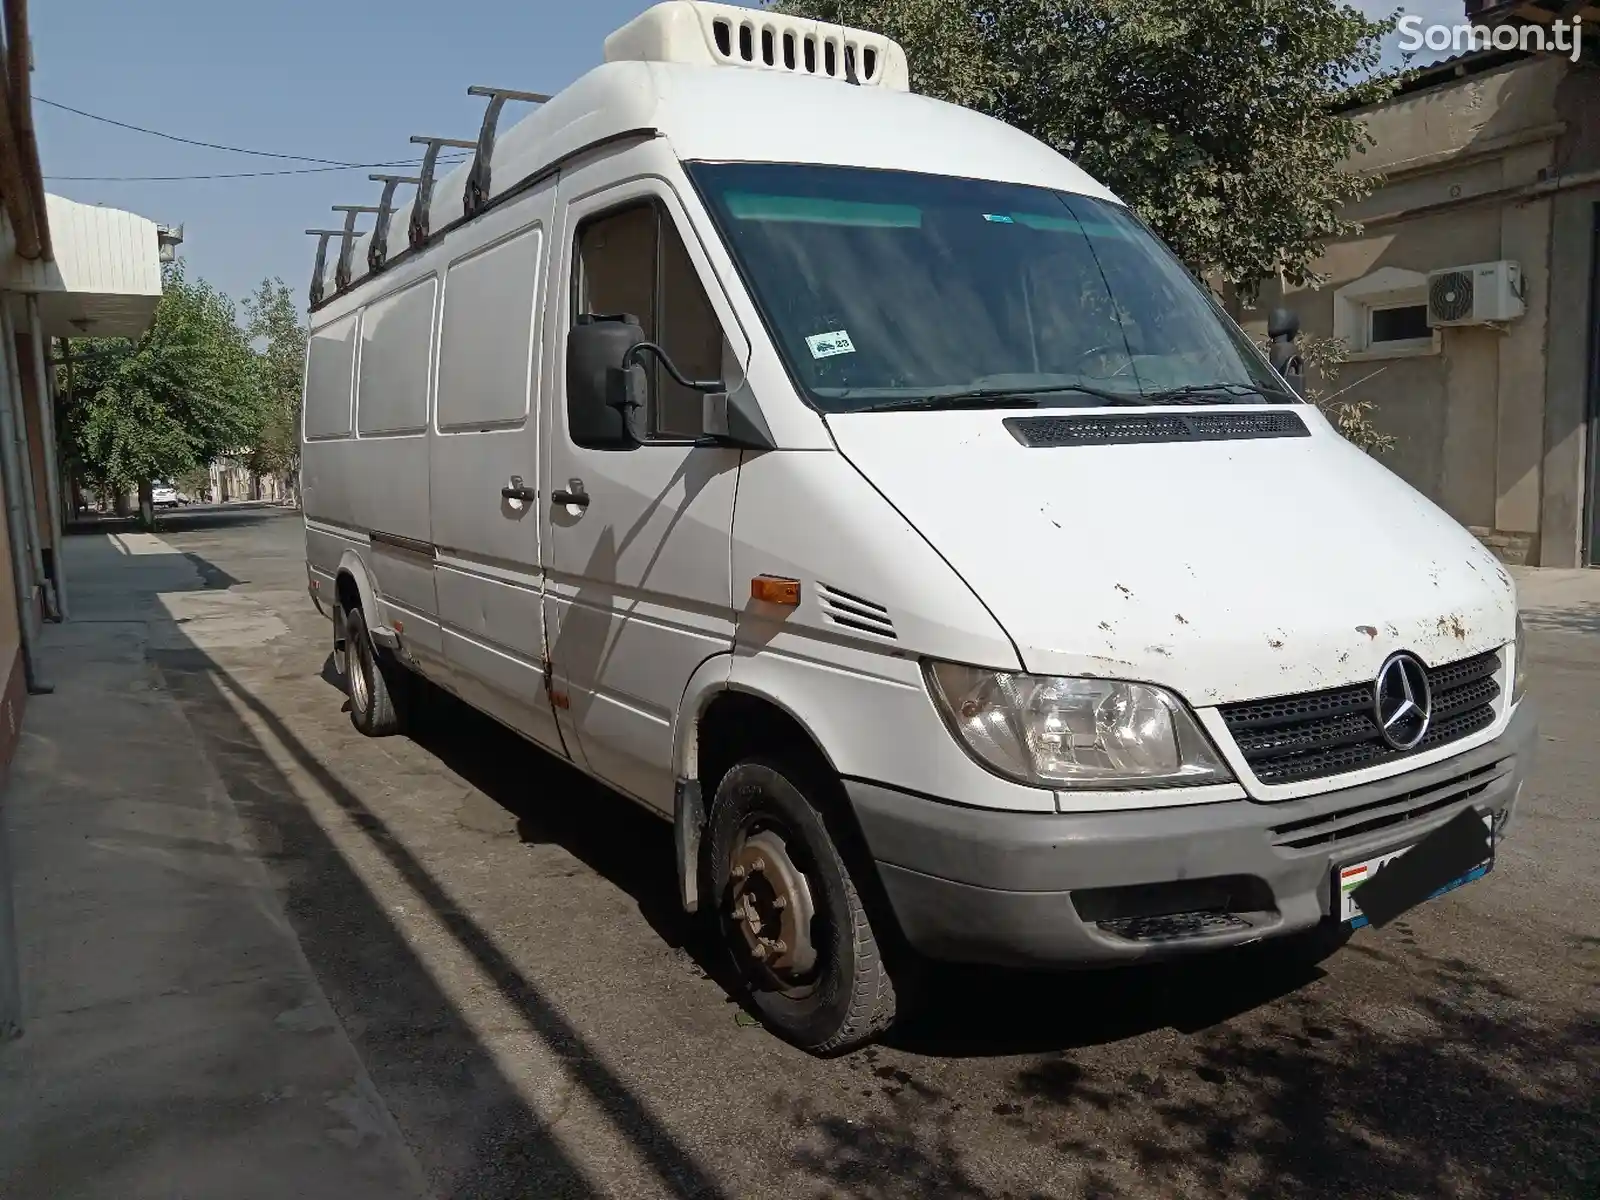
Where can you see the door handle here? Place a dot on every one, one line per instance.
(573, 494)
(516, 491)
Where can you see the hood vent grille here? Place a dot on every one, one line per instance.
(1145, 429)
(854, 613)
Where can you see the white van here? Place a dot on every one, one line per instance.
(854, 482)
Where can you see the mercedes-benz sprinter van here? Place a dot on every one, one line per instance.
(854, 482)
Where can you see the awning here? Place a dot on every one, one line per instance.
(105, 280)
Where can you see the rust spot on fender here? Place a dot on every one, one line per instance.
(1125, 591)
(1182, 620)
(1344, 657)
(1106, 625)
(1275, 643)
(1370, 630)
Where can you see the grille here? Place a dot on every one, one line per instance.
(852, 612)
(1392, 813)
(1332, 732)
(1149, 428)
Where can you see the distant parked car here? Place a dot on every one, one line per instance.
(164, 495)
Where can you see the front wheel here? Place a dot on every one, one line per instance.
(790, 915)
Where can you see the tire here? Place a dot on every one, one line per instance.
(374, 681)
(824, 985)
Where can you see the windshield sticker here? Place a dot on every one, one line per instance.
(999, 218)
(826, 345)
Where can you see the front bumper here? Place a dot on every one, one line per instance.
(1038, 889)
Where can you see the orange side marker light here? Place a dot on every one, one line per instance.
(772, 589)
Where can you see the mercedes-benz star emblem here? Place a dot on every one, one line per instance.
(1404, 704)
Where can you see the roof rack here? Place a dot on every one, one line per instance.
(319, 271)
(378, 247)
(476, 194)
(341, 273)
(424, 199)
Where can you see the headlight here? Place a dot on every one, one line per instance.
(1519, 661)
(1083, 733)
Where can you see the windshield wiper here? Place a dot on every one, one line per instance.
(1011, 397)
(1231, 390)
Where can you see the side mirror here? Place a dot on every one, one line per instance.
(1283, 327)
(1283, 323)
(597, 348)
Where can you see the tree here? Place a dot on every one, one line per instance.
(273, 323)
(169, 403)
(1222, 122)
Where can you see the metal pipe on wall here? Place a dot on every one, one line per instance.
(14, 486)
(52, 476)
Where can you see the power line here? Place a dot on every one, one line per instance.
(241, 174)
(172, 137)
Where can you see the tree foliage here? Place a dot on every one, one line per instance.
(272, 321)
(1326, 357)
(169, 403)
(1220, 121)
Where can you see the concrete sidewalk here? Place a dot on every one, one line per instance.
(175, 1043)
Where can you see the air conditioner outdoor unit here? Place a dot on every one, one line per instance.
(1480, 294)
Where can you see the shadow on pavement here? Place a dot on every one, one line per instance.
(363, 960)
(1573, 618)
(1305, 1105)
(495, 1144)
(371, 975)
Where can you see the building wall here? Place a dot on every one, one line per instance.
(1488, 422)
(13, 683)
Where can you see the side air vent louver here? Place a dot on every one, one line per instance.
(852, 612)
(1146, 428)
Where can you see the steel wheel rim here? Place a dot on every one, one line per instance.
(771, 913)
(361, 663)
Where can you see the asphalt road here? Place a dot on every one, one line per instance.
(500, 939)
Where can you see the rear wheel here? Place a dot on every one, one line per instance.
(790, 914)
(375, 681)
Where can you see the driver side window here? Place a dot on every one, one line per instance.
(632, 261)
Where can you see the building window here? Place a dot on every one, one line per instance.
(1385, 315)
(1403, 323)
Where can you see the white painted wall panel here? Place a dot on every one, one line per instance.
(396, 353)
(486, 343)
(329, 371)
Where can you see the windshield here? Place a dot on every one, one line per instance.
(881, 287)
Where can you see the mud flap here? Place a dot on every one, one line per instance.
(688, 824)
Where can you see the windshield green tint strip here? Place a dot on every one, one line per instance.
(753, 206)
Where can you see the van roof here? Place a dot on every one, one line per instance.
(730, 112)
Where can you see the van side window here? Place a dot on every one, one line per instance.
(633, 261)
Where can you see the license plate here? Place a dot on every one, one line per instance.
(1348, 879)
